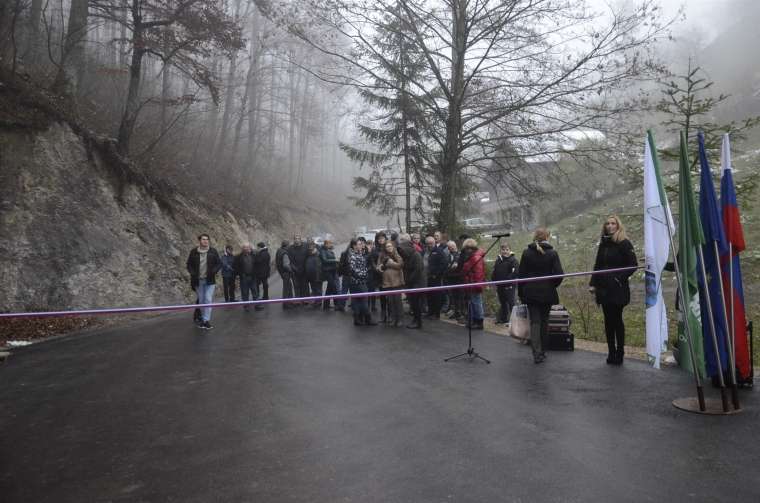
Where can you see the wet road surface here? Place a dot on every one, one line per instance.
(301, 406)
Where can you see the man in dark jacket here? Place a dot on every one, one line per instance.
(436, 268)
(313, 272)
(203, 263)
(344, 272)
(504, 268)
(282, 263)
(245, 268)
(453, 276)
(228, 274)
(414, 277)
(262, 268)
(329, 272)
(297, 253)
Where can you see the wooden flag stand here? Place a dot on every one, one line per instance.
(713, 406)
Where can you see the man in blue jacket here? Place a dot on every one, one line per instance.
(228, 274)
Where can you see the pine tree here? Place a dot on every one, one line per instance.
(399, 165)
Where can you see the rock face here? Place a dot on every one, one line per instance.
(75, 234)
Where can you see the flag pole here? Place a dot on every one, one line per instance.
(723, 396)
(733, 320)
(669, 223)
(729, 329)
(687, 325)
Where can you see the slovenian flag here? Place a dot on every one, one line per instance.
(712, 226)
(731, 265)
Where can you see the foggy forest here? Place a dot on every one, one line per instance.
(404, 108)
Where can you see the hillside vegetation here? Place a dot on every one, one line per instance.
(576, 237)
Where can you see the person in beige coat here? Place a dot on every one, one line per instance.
(391, 266)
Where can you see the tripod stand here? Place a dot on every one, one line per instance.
(471, 350)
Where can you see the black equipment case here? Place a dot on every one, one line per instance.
(558, 336)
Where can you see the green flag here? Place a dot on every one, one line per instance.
(690, 236)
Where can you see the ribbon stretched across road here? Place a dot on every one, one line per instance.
(185, 307)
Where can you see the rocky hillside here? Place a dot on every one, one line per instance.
(81, 227)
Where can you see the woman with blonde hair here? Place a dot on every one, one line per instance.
(539, 259)
(612, 290)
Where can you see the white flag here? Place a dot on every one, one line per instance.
(658, 231)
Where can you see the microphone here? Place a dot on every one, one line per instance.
(502, 235)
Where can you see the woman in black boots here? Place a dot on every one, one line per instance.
(612, 290)
(539, 259)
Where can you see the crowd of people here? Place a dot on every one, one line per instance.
(393, 262)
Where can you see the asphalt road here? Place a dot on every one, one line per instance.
(301, 406)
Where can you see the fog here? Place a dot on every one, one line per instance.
(272, 103)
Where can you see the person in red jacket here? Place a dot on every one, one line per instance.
(474, 271)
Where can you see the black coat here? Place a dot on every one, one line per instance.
(298, 258)
(279, 261)
(613, 289)
(262, 267)
(414, 274)
(437, 263)
(505, 268)
(239, 265)
(534, 264)
(313, 267)
(213, 265)
(344, 268)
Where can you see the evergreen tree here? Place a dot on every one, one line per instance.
(689, 106)
(400, 168)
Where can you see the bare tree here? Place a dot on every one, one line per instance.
(203, 27)
(519, 71)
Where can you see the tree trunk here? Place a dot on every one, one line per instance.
(70, 73)
(33, 31)
(450, 158)
(213, 121)
(133, 92)
(229, 99)
(167, 36)
(295, 84)
(272, 109)
(9, 11)
(252, 85)
(123, 35)
(232, 156)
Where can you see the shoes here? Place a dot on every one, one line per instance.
(618, 357)
(414, 325)
(340, 308)
(454, 316)
(539, 358)
(610, 358)
(206, 325)
(368, 321)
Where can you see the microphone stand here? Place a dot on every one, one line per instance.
(471, 350)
